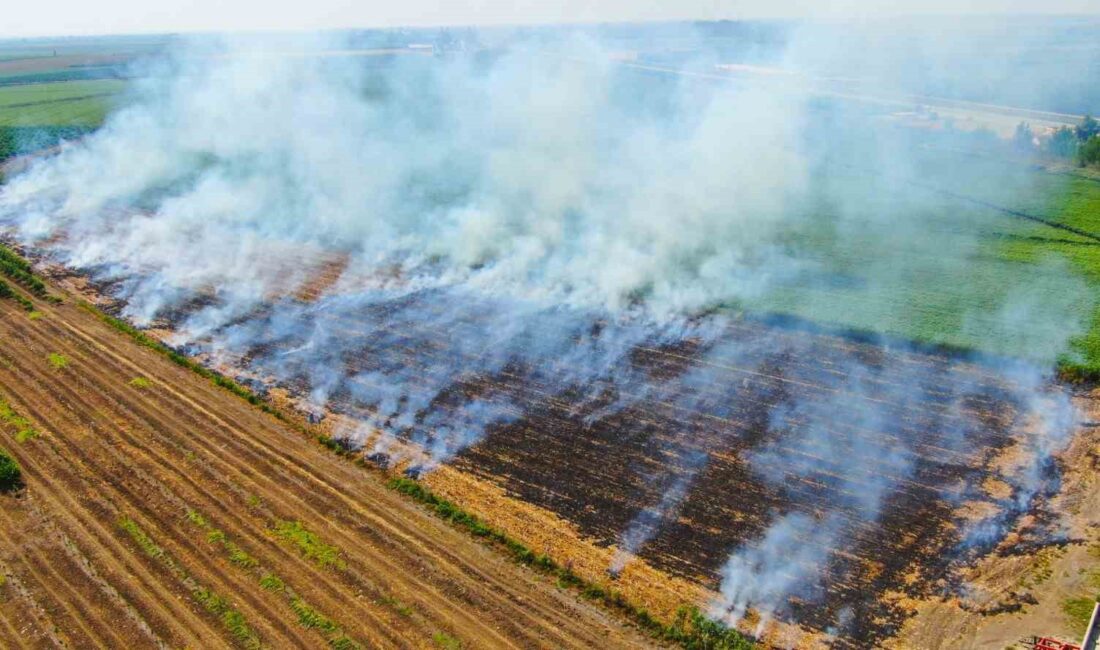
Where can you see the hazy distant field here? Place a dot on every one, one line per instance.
(940, 291)
(54, 89)
(68, 103)
(947, 290)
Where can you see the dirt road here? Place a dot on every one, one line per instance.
(165, 512)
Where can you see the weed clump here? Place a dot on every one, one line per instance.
(309, 544)
(57, 361)
(24, 430)
(446, 641)
(234, 622)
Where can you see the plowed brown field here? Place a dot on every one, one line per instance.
(109, 451)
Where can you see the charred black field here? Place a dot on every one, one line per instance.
(720, 437)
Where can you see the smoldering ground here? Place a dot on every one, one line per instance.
(540, 240)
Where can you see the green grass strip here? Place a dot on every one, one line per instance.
(19, 270)
(216, 378)
(691, 628)
(233, 621)
(8, 293)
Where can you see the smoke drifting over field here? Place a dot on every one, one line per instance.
(538, 219)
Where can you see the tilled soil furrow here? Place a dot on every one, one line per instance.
(561, 621)
(287, 482)
(91, 520)
(56, 597)
(122, 476)
(219, 452)
(26, 616)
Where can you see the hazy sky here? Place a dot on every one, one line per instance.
(48, 17)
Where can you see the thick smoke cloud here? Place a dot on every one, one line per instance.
(537, 214)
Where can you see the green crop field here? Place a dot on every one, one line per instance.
(68, 103)
(954, 271)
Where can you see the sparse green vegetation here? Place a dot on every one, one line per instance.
(446, 641)
(272, 582)
(141, 383)
(311, 618)
(233, 621)
(8, 293)
(1078, 611)
(21, 427)
(183, 360)
(57, 361)
(343, 643)
(309, 544)
(11, 476)
(397, 606)
(307, 616)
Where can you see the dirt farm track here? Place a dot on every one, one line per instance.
(172, 514)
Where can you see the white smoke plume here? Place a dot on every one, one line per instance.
(513, 226)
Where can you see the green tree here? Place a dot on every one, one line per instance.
(1063, 143)
(1088, 128)
(1089, 152)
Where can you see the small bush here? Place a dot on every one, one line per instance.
(141, 383)
(11, 477)
(58, 361)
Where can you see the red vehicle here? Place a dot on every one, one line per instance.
(1048, 643)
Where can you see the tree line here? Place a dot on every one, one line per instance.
(1079, 143)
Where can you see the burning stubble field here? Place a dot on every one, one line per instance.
(798, 371)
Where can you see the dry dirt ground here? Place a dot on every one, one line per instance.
(1040, 580)
(206, 484)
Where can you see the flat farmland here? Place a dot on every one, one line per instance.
(160, 511)
(67, 103)
(879, 422)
